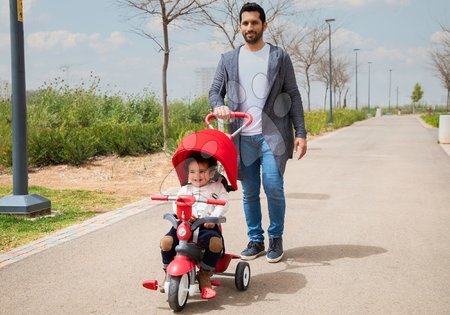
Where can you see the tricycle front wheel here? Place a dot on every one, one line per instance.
(242, 276)
(178, 292)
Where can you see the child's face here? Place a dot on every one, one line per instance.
(199, 173)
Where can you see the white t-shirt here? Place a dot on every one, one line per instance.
(253, 67)
(214, 190)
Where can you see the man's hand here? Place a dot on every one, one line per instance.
(222, 112)
(300, 145)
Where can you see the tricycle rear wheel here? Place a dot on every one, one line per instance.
(242, 276)
(178, 292)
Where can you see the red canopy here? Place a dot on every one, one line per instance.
(212, 142)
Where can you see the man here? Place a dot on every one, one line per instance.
(259, 78)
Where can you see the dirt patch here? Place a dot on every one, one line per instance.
(130, 177)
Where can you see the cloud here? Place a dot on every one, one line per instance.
(411, 56)
(193, 55)
(398, 2)
(342, 4)
(344, 37)
(69, 40)
(63, 39)
(439, 37)
(113, 42)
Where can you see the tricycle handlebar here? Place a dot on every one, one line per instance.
(216, 202)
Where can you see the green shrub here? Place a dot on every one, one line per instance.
(5, 133)
(432, 120)
(315, 121)
(45, 146)
(346, 117)
(71, 125)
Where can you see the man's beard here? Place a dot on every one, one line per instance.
(257, 36)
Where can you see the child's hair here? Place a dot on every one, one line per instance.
(202, 158)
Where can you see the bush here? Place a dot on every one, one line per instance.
(432, 120)
(71, 125)
(346, 117)
(316, 122)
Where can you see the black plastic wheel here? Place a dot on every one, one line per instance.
(178, 292)
(242, 276)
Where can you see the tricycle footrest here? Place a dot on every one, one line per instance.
(150, 284)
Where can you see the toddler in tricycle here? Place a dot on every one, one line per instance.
(195, 240)
(201, 171)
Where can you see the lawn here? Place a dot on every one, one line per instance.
(68, 206)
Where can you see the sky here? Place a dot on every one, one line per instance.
(78, 40)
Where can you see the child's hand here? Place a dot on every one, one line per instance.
(209, 225)
(192, 219)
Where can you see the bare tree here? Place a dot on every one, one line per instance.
(306, 54)
(224, 16)
(440, 57)
(322, 74)
(340, 78)
(165, 12)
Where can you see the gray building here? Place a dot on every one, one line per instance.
(203, 79)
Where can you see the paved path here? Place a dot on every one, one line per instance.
(366, 232)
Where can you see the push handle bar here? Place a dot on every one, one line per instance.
(247, 123)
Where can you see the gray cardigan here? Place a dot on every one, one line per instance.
(283, 110)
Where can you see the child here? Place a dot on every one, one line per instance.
(201, 171)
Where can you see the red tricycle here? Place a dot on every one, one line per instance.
(182, 280)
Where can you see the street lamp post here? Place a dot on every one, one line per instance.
(390, 80)
(328, 21)
(356, 79)
(20, 202)
(368, 100)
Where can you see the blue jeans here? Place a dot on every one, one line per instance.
(256, 156)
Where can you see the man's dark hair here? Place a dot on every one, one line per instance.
(252, 7)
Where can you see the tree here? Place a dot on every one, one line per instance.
(416, 95)
(322, 74)
(304, 47)
(340, 78)
(440, 57)
(167, 12)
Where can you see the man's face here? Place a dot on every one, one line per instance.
(252, 27)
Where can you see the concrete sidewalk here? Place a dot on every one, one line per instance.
(366, 232)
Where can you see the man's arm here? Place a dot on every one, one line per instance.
(296, 111)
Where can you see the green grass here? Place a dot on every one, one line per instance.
(432, 120)
(73, 206)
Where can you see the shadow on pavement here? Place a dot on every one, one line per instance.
(326, 253)
(285, 281)
(261, 285)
